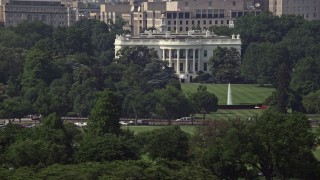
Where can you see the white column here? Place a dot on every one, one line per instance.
(187, 64)
(170, 60)
(199, 58)
(194, 61)
(163, 54)
(178, 61)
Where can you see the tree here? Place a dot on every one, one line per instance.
(37, 67)
(106, 148)
(45, 145)
(281, 143)
(11, 63)
(204, 101)
(283, 88)
(158, 75)
(221, 30)
(265, 28)
(170, 143)
(225, 65)
(269, 143)
(105, 115)
(33, 31)
(172, 103)
(139, 55)
(138, 104)
(305, 76)
(15, 108)
(202, 77)
(261, 62)
(311, 102)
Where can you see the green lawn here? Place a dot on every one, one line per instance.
(316, 153)
(232, 114)
(241, 93)
(138, 129)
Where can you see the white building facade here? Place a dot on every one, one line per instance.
(187, 52)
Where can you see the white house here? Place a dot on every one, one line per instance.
(187, 52)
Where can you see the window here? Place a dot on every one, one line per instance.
(187, 28)
(180, 22)
(205, 53)
(233, 3)
(187, 22)
(196, 67)
(169, 22)
(169, 15)
(172, 65)
(221, 21)
(180, 15)
(169, 28)
(216, 22)
(174, 22)
(204, 13)
(210, 21)
(186, 4)
(181, 66)
(187, 15)
(204, 22)
(198, 13)
(180, 28)
(210, 13)
(205, 66)
(192, 22)
(210, 3)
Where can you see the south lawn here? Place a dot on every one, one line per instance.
(241, 94)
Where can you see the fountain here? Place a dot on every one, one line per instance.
(229, 100)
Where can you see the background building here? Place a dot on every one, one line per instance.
(182, 15)
(187, 52)
(53, 13)
(309, 9)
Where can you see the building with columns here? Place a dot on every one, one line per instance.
(187, 52)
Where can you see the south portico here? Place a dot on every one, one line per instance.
(186, 61)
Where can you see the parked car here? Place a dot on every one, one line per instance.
(123, 123)
(80, 124)
(142, 122)
(185, 119)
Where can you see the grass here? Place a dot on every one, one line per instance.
(316, 153)
(232, 114)
(138, 129)
(241, 93)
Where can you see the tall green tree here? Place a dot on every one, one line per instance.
(204, 102)
(139, 55)
(225, 65)
(305, 76)
(270, 143)
(105, 114)
(172, 103)
(170, 143)
(261, 62)
(283, 88)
